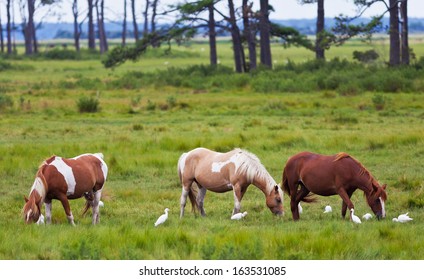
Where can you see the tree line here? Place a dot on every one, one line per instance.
(250, 29)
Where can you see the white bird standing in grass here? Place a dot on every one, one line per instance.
(367, 216)
(162, 218)
(101, 204)
(328, 209)
(355, 218)
(300, 208)
(238, 216)
(402, 218)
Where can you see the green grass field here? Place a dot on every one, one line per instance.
(142, 131)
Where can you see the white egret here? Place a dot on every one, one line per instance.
(300, 208)
(403, 218)
(367, 216)
(162, 218)
(238, 216)
(328, 209)
(355, 218)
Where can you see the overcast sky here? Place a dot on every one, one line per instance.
(284, 9)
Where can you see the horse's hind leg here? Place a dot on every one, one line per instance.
(200, 198)
(95, 206)
(184, 195)
(344, 205)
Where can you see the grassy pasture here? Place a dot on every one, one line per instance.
(142, 132)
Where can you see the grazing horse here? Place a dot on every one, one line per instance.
(222, 172)
(63, 179)
(329, 175)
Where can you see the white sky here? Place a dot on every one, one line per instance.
(284, 9)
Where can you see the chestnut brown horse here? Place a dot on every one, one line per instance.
(222, 172)
(63, 179)
(329, 175)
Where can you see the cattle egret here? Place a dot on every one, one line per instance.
(328, 209)
(402, 218)
(367, 216)
(355, 218)
(238, 216)
(300, 208)
(162, 218)
(40, 220)
(101, 204)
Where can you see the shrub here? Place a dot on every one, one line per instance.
(5, 101)
(64, 54)
(88, 105)
(366, 56)
(379, 101)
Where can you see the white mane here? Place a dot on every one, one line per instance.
(250, 165)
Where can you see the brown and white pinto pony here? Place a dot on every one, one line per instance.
(63, 179)
(223, 172)
(329, 175)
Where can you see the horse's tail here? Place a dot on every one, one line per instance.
(86, 207)
(285, 183)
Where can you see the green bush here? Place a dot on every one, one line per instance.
(88, 105)
(62, 54)
(5, 101)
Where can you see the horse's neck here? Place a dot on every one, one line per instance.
(38, 190)
(265, 183)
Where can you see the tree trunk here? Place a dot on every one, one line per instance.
(264, 28)
(124, 25)
(249, 34)
(1, 36)
(135, 26)
(101, 26)
(146, 19)
(76, 26)
(91, 35)
(29, 29)
(212, 36)
(319, 49)
(394, 34)
(9, 29)
(235, 34)
(404, 33)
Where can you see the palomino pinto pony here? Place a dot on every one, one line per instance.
(223, 172)
(329, 175)
(63, 179)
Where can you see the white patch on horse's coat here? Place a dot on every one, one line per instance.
(217, 166)
(38, 186)
(67, 174)
(383, 210)
(181, 163)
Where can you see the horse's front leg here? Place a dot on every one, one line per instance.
(238, 194)
(67, 208)
(48, 205)
(344, 205)
(347, 203)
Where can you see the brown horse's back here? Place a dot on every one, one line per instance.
(320, 174)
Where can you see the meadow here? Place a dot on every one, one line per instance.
(151, 111)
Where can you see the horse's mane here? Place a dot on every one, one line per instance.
(362, 171)
(250, 165)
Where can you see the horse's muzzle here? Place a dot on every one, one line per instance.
(279, 213)
(379, 216)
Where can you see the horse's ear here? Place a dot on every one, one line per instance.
(276, 189)
(384, 186)
(26, 199)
